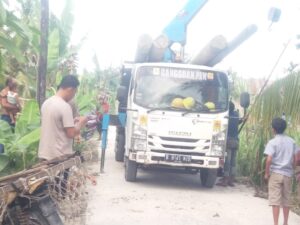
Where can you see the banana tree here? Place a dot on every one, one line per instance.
(18, 45)
(21, 146)
(280, 98)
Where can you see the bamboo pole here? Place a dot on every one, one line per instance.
(21, 180)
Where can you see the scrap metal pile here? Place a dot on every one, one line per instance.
(52, 193)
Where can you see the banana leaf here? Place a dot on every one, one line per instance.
(30, 138)
(8, 44)
(29, 118)
(2, 14)
(4, 160)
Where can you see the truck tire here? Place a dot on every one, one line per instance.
(130, 170)
(33, 217)
(37, 218)
(208, 177)
(120, 147)
(42, 212)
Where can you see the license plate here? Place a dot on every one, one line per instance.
(178, 158)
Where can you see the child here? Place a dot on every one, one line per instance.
(281, 152)
(13, 98)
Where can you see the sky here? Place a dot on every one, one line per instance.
(112, 28)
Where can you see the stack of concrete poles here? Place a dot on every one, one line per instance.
(143, 48)
(218, 48)
(149, 50)
(236, 42)
(210, 50)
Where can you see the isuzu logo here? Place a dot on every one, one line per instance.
(180, 133)
(195, 121)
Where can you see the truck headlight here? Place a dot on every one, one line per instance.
(139, 132)
(218, 144)
(139, 138)
(139, 144)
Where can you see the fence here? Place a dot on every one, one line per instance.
(24, 196)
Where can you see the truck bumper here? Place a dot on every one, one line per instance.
(154, 158)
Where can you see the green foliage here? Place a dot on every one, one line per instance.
(21, 146)
(19, 49)
(282, 96)
(19, 44)
(86, 103)
(93, 84)
(67, 21)
(4, 160)
(239, 85)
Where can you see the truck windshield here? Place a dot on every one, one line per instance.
(181, 89)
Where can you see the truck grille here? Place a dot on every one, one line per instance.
(177, 147)
(179, 139)
(168, 144)
(173, 152)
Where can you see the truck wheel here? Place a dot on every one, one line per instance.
(130, 170)
(208, 177)
(120, 148)
(37, 218)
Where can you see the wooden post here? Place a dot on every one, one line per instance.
(42, 66)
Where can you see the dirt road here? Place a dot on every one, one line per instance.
(173, 199)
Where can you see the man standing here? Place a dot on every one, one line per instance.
(281, 152)
(231, 147)
(58, 128)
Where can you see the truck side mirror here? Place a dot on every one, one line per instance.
(122, 94)
(245, 100)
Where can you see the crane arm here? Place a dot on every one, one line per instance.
(176, 29)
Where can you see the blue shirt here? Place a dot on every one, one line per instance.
(282, 149)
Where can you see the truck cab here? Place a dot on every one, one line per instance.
(177, 117)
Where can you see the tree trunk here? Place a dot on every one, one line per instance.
(42, 67)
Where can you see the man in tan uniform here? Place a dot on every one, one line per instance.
(58, 126)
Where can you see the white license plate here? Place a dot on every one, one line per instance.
(178, 158)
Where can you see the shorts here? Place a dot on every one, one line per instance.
(280, 189)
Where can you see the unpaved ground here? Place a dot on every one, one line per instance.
(159, 198)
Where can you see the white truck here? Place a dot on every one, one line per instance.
(187, 134)
(176, 112)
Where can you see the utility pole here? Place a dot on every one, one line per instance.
(42, 66)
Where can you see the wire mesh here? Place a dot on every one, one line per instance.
(65, 183)
(68, 190)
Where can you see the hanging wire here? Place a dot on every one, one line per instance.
(265, 84)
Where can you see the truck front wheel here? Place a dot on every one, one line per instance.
(208, 177)
(130, 170)
(120, 148)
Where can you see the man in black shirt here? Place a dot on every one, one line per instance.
(232, 146)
